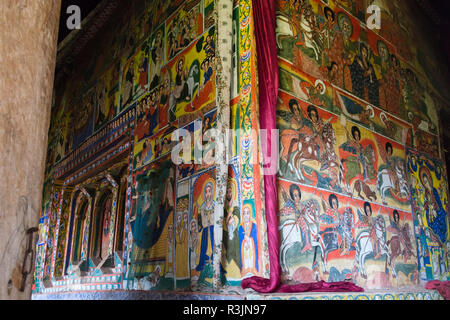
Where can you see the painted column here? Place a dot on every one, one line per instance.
(28, 43)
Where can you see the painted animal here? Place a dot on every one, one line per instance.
(361, 186)
(284, 28)
(396, 248)
(385, 182)
(364, 247)
(330, 243)
(191, 82)
(307, 151)
(290, 235)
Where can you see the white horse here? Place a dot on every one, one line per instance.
(192, 84)
(386, 183)
(364, 246)
(284, 28)
(290, 235)
(307, 27)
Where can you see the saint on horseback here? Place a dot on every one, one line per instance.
(391, 174)
(357, 160)
(372, 240)
(307, 139)
(400, 243)
(299, 223)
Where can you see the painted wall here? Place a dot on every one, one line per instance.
(362, 193)
(357, 113)
(149, 71)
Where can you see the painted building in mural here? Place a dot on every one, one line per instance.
(362, 187)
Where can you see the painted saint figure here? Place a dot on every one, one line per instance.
(397, 230)
(435, 214)
(359, 157)
(248, 242)
(181, 247)
(294, 210)
(364, 80)
(368, 222)
(206, 226)
(106, 227)
(181, 89)
(232, 221)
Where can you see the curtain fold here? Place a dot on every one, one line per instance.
(264, 19)
(264, 12)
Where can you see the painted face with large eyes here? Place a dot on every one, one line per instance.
(334, 204)
(364, 53)
(208, 193)
(426, 182)
(180, 66)
(368, 210)
(246, 215)
(297, 197)
(346, 28)
(229, 193)
(314, 116)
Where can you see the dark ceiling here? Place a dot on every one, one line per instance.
(436, 12)
(86, 7)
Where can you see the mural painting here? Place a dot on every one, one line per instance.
(107, 97)
(429, 202)
(232, 216)
(191, 78)
(185, 237)
(332, 237)
(153, 210)
(323, 150)
(327, 43)
(353, 203)
(201, 227)
(135, 75)
(183, 27)
(82, 120)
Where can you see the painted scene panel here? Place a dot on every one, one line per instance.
(151, 219)
(332, 237)
(320, 149)
(429, 201)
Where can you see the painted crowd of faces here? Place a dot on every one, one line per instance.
(429, 201)
(329, 58)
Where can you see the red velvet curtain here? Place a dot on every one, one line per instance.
(265, 26)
